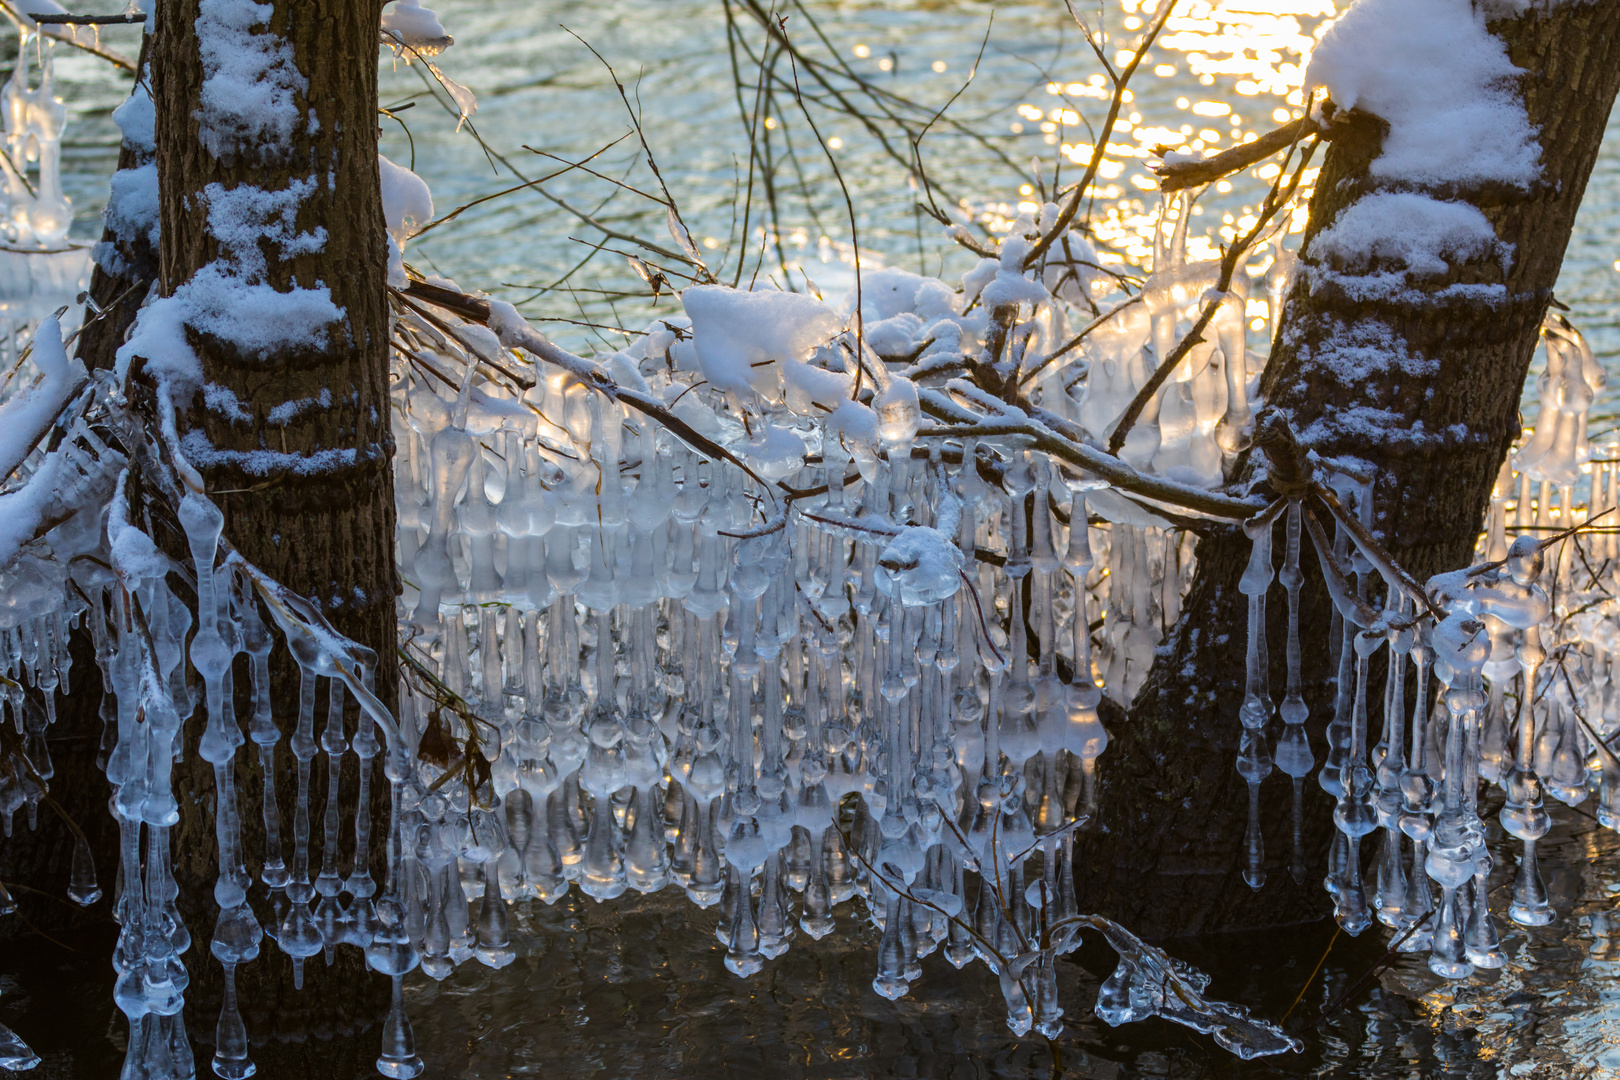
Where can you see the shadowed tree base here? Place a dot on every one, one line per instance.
(1168, 856)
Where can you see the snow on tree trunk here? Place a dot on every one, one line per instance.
(272, 238)
(1423, 384)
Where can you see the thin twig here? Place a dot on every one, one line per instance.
(1072, 205)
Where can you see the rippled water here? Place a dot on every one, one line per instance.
(538, 86)
(637, 988)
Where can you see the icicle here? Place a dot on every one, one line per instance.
(14, 1053)
(1355, 815)
(1254, 760)
(1523, 814)
(1294, 758)
(236, 940)
(298, 936)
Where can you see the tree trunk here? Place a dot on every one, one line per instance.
(1169, 856)
(319, 517)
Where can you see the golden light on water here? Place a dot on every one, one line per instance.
(1220, 74)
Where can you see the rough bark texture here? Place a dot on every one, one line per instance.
(1169, 857)
(327, 535)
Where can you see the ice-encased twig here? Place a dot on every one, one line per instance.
(1151, 982)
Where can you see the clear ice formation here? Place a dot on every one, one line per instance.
(721, 612)
(40, 271)
(34, 214)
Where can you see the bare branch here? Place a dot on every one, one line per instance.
(1175, 175)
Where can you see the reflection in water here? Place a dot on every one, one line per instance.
(637, 988)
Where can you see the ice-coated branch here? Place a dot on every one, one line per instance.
(37, 14)
(1276, 199)
(1064, 440)
(518, 334)
(1148, 981)
(1074, 342)
(312, 640)
(1374, 551)
(1194, 336)
(89, 20)
(1340, 590)
(1292, 472)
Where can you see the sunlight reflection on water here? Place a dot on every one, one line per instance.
(538, 86)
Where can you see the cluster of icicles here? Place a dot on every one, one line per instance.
(635, 664)
(106, 576)
(1526, 698)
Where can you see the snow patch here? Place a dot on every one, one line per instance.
(288, 411)
(244, 218)
(29, 412)
(1413, 235)
(137, 119)
(812, 390)
(221, 401)
(1364, 348)
(22, 512)
(741, 336)
(266, 463)
(257, 319)
(415, 27)
(132, 204)
(407, 202)
(1443, 83)
(250, 80)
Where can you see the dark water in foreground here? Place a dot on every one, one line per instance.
(636, 988)
(639, 990)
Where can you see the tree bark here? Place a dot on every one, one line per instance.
(326, 533)
(1169, 856)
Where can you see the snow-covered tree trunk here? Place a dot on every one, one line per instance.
(272, 236)
(1421, 382)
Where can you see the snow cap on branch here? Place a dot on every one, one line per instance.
(741, 336)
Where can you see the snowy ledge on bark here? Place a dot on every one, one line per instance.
(1445, 87)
